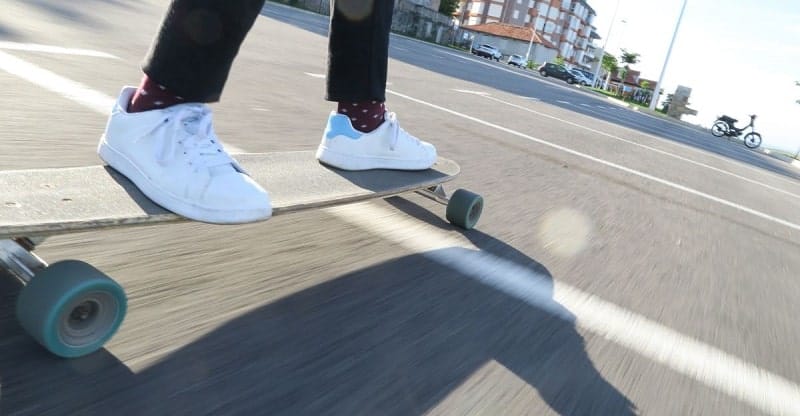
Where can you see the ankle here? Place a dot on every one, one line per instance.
(365, 116)
(151, 95)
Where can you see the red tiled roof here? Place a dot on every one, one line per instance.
(510, 31)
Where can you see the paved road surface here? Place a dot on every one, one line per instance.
(624, 264)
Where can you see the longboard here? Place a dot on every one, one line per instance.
(72, 308)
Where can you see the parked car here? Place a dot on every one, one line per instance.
(488, 51)
(550, 69)
(581, 77)
(589, 74)
(517, 60)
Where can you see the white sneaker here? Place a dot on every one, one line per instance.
(173, 156)
(387, 147)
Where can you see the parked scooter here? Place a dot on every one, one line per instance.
(724, 126)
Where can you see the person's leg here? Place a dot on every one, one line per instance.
(358, 53)
(358, 50)
(191, 57)
(160, 135)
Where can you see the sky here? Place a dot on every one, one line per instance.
(739, 57)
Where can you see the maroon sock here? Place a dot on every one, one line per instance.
(365, 115)
(151, 96)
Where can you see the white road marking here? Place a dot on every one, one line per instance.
(471, 92)
(562, 101)
(323, 76)
(706, 364)
(615, 106)
(74, 91)
(35, 47)
(652, 149)
(606, 163)
(67, 88)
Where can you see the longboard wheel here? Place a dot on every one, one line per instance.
(464, 209)
(71, 308)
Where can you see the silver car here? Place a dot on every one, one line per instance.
(580, 77)
(517, 60)
(488, 51)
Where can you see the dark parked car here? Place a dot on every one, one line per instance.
(557, 71)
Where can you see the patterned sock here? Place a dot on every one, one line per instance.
(366, 116)
(151, 96)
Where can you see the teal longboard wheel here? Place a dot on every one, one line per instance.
(71, 308)
(464, 209)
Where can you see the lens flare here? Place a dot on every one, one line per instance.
(565, 232)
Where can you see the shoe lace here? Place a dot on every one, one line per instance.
(192, 132)
(398, 132)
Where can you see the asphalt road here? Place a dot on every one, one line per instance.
(623, 265)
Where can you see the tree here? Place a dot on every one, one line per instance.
(559, 61)
(665, 105)
(448, 7)
(629, 58)
(610, 65)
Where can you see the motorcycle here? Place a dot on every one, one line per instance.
(725, 126)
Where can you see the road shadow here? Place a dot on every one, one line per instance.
(397, 338)
(519, 84)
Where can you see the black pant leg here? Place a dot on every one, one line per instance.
(358, 49)
(197, 43)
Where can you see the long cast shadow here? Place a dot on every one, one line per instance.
(397, 338)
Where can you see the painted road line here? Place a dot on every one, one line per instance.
(67, 88)
(74, 91)
(613, 165)
(35, 47)
(650, 148)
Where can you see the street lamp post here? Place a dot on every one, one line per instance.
(530, 44)
(656, 94)
(605, 43)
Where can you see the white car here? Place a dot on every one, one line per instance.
(488, 51)
(580, 77)
(517, 60)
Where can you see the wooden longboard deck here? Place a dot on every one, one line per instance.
(58, 201)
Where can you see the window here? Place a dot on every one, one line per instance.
(495, 10)
(543, 9)
(516, 14)
(539, 23)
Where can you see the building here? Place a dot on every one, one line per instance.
(511, 39)
(566, 24)
(429, 4)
